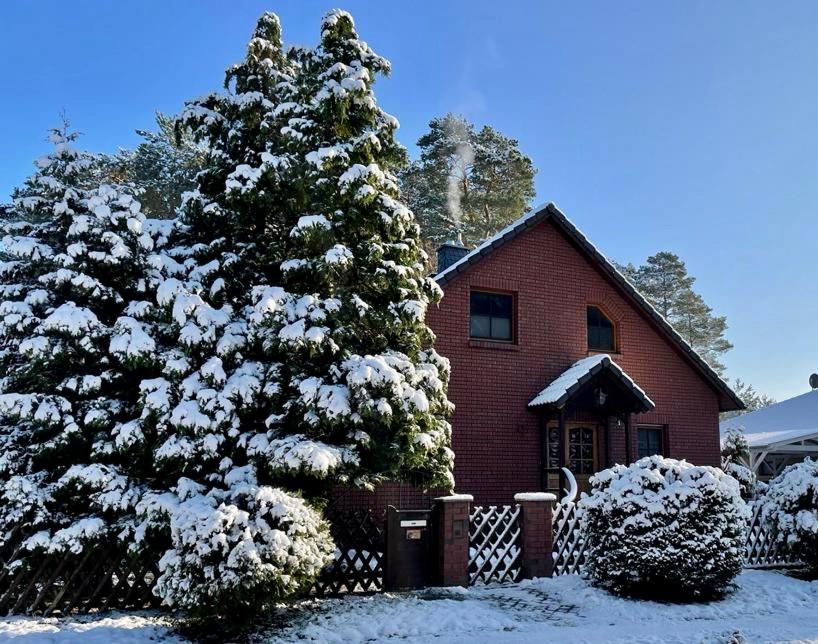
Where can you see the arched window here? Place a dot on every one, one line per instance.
(600, 331)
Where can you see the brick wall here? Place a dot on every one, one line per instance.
(496, 438)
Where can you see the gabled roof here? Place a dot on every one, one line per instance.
(551, 212)
(571, 381)
(790, 420)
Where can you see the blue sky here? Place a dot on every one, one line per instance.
(688, 127)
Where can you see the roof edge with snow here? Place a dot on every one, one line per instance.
(550, 211)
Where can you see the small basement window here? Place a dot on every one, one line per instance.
(600, 331)
(491, 316)
(649, 441)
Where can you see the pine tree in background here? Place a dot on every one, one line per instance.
(752, 399)
(231, 541)
(73, 351)
(663, 279)
(164, 166)
(363, 390)
(467, 182)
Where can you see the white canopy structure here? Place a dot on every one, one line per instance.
(780, 434)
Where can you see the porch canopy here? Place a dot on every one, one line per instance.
(599, 383)
(594, 387)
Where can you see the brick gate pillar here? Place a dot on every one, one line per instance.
(453, 539)
(536, 538)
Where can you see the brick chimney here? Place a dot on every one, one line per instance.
(449, 253)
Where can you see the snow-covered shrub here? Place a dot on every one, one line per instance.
(662, 527)
(234, 550)
(789, 508)
(747, 480)
(734, 445)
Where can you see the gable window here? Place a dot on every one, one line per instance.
(650, 441)
(600, 331)
(491, 316)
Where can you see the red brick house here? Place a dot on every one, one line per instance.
(558, 361)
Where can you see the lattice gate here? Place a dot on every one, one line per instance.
(494, 548)
(360, 540)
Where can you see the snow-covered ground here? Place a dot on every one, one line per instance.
(110, 629)
(768, 607)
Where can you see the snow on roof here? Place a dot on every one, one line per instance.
(795, 418)
(565, 385)
(549, 209)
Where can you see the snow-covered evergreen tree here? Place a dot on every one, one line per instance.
(363, 392)
(230, 540)
(73, 350)
(164, 166)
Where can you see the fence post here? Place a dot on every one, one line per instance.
(453, 538)
(537, 538)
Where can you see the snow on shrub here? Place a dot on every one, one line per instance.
(789, 508)
(748, 482)
(234, 550)
(662, 527)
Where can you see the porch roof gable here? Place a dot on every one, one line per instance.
(570, 382)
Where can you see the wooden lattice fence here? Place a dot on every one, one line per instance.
(569, 545)
(761, 548)
(101, 577)
(105, 576)
(494, 548)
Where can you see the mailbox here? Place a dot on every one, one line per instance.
(409, 546)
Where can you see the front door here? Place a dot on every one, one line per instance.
(580, 453)
(581, 457)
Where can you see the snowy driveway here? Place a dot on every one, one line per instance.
(768, 607)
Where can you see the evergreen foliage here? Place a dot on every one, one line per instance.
(735, 454)
(790, 511)
(664, 528)
(163, 166)
(752, 399)
(467, 183)
(735, 446)
(71, 354)
(197, 386)
(664, 281)
(362, 385)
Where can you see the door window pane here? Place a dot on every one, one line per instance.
(552, 448)
(581, 450)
